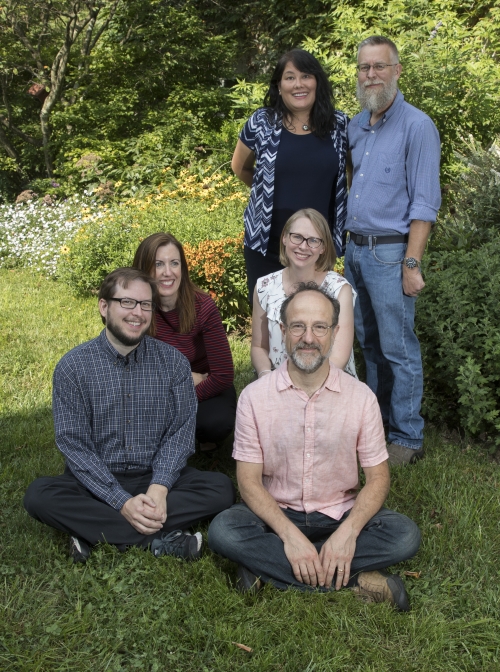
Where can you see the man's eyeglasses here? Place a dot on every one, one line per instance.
(299, 329)
(378, 67)
(132, 303)
(297, 239)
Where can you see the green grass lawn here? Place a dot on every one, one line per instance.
(130, 611)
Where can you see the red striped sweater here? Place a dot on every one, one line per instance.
(205, 346)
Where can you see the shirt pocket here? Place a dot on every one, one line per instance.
(390, 170)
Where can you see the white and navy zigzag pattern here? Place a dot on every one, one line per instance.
(263, 138)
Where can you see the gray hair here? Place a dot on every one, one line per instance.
(377, 40)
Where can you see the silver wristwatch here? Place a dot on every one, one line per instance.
(411, 262)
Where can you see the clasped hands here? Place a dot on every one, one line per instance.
(319, 569)
(147, 513)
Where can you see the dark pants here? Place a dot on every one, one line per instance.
(258, 266)
(241, 536)
(215, 417)
(65, 503)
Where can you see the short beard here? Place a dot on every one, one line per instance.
(377, 101)
(120, 336)
(304, 366)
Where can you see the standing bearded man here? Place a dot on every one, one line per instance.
(393, 202)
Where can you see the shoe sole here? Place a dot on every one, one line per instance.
(399, 594)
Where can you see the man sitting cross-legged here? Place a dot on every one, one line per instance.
(124, 413)
(300, 430)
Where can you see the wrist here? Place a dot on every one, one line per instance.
(412, 263)
(159, 489)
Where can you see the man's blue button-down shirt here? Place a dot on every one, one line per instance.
(395, 170)
(115, 413)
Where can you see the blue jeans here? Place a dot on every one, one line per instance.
(241, 536)
(384, 319)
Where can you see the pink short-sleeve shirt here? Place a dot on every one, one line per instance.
(310, 447)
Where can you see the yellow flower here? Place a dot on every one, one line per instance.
(64, 249)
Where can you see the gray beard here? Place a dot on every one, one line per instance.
(310, 366)
(380, 100)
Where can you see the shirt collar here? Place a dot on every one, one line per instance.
(284, 381)
(135, 356)
(364, 117)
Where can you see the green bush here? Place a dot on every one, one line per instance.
(109, 240)
(458, 324)
(471, 215)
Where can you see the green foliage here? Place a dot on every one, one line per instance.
(210, 230)
(457, 322)
(470, 216)
(128, 611)
(449, 55)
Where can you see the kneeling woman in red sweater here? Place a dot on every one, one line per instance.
(189, 320)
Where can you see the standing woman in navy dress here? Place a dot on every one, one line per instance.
(292, 153)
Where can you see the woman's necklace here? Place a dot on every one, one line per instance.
(290, 126)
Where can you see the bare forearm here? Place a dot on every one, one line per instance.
(369, 501)
(417, 238)
(246, 176)
(265, 507)
(260, 359)
(413, 282)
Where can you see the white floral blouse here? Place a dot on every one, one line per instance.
(271, 295)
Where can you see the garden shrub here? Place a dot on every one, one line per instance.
(458, 324)
(471, 215)
(205, 215)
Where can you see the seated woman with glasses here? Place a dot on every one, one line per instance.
(188, 319)
(308, 254)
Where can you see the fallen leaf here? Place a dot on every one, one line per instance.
(414, 575)
(438, 526)
(243, 647)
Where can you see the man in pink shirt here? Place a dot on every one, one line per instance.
(300, 431)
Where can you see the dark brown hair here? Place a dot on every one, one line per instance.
(123, 277)
(145, 260)
(323, 112)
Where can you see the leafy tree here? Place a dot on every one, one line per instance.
(38, 38)
(450, 54)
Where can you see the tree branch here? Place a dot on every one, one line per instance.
(19, 133)
(9, 149)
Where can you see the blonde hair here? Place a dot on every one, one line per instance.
(326, 260)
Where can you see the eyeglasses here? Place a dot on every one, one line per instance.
(132, 303)
(299, 329)
(297, 239)
(378, 67)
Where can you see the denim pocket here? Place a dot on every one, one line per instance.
(390, 255)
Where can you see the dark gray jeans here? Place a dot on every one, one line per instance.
(65, 503)
(241, 536)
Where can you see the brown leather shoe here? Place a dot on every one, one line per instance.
(380, 586)
(403, 455)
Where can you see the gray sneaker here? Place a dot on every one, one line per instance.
(178, 543)
(403, 455)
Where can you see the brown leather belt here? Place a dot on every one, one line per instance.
(378, 240)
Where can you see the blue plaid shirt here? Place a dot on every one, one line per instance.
(119, 414)
(395, 170)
